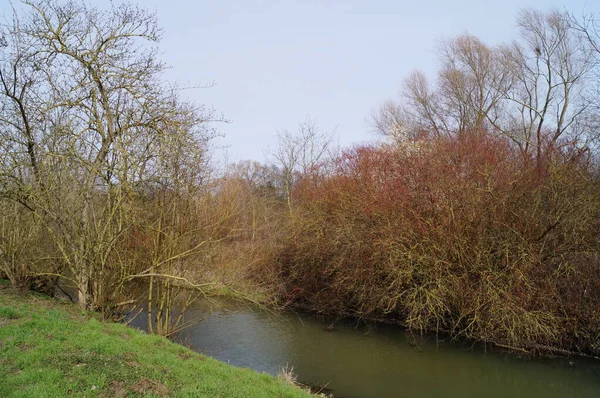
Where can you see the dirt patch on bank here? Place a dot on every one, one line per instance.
(147, 386)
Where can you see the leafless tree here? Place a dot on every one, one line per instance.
(300, 154)
(393, 121)
(535, 91)
(472, 82)
(86, 124)
(551, 66)
(588, 27)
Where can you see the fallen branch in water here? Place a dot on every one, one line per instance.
(547, 349)
(512, 348)
(180, 278)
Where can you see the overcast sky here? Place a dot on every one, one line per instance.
(275, 62)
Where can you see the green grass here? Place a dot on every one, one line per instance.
(51, 349)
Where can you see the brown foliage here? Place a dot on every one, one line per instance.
(459, 235)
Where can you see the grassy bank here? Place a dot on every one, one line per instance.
(53, 349)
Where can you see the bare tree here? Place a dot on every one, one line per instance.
(398, 123)
(472, 82)
(535, 91)
(424, 105)
(300, 154)
(86, 123)
(588, 27)
(258, 176)
(551, 69)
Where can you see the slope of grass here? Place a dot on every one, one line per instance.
(51, 349)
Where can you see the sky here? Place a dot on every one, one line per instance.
(272, 64)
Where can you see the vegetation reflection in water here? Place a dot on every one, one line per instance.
(378, 361)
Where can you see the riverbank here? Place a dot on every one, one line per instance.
(531, 350)
(51, 348)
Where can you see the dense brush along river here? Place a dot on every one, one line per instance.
(377, 361)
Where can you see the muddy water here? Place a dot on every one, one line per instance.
(379, 361)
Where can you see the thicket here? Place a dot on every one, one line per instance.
(456, 235)
(106, 185)
(479, 218)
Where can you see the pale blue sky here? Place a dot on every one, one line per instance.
(275, 62)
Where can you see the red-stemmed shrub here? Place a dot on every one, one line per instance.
(460, 235)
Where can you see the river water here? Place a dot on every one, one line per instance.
(378, 361)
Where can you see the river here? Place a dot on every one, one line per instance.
(378, 360)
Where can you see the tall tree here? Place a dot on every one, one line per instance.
(534, 91)
(85, 120)
(300, 154)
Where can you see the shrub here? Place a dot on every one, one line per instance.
(459, 235)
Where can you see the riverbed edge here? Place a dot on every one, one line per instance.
(53, 348)
(532, 350)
